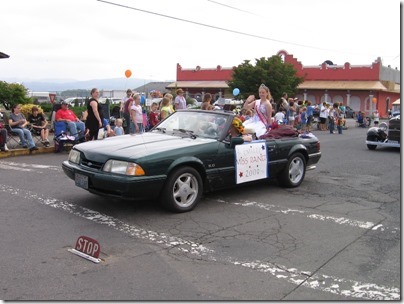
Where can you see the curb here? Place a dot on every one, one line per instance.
(21, 152)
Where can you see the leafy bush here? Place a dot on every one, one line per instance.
(78, 110)
(27, 109)
(46, 107)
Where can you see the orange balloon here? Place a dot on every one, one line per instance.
(128, 73)
(374, 99)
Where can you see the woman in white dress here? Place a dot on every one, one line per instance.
(262, 109)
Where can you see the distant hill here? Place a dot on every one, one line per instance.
(102, 84)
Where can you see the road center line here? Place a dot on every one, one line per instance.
(325, 283)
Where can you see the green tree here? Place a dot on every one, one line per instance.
(278, 76)
(13, 93)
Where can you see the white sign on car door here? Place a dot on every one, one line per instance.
(251, 161)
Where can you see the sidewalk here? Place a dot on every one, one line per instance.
(350, 122)
(21, 151)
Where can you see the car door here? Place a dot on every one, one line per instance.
(226, 163)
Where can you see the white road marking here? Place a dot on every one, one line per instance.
(27, 167)
(325, 283)
(158, 238)
(337, 220)
(8, 167)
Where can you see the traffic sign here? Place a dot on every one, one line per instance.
(52, 97)
(87, 248)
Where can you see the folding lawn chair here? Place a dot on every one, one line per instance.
(13, 141)
(115, 114)
(62, 139)
(36, 136)
(55, 108)
(105, 110)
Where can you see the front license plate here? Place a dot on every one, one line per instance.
(81, 181)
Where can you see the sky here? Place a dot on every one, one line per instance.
(96, 39)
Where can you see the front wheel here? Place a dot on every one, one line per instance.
(294, 172)
(183, 190)
(372, 138)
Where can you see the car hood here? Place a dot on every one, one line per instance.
(137, 146)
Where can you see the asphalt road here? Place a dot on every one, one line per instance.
(336, 237)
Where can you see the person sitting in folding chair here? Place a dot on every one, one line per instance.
(360, 120)
(76, 126)
(39, 125)
(3, 138)
(18, 123)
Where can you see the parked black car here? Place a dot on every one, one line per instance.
(349, 112)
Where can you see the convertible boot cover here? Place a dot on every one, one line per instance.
(281, 131)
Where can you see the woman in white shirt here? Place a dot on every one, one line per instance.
(262, 109)
(323, 116)
(136, 115)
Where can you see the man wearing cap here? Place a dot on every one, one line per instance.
(179, 101)
(76, 126)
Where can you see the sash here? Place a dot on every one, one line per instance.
(259, 114)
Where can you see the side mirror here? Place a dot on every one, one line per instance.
(236, 141)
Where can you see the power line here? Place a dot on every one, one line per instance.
(251, 13)
(235, 8)
(215, 27)
(228, 30)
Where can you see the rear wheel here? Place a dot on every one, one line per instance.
(294, 172)
(183, 190)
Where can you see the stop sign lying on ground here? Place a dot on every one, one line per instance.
(88, 246)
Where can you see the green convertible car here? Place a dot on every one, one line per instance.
(188, 153)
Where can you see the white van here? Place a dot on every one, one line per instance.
(73, 101)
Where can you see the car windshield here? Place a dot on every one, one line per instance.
(206, 124)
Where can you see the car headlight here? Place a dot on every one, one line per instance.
(74, 156)
(123, 167)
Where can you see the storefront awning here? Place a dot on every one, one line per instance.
(342, 85)
(198, 84)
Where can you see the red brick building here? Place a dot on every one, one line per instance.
(364, 87)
